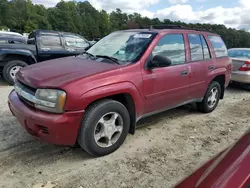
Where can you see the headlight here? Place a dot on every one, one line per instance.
(51, 100)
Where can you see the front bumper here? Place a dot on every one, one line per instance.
(241, 76)
(60, 129)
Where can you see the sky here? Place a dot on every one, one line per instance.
(232, 13)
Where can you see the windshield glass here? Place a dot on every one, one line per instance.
(126, 46)
(239, 53)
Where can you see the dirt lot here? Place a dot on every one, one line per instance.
(165, 148)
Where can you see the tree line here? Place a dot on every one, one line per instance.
(82, 18)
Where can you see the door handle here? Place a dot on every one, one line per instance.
(45, 49)
(184, 73)
(211, 68)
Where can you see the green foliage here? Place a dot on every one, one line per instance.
(84, 19)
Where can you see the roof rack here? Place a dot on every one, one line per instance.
(152, 27)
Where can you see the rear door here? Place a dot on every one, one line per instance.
(75, 44)
(50, 46)
(201, 63)
(166, 87)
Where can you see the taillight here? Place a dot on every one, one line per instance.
(245, 67)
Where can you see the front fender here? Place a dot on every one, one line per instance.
(19, 52)
(109, 90)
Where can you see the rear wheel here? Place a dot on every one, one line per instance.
(211, 98)
(246, 86)
(11, 68)
(104, 127)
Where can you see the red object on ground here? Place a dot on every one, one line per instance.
(229, 169)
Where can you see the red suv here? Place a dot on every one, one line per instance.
(96, 98)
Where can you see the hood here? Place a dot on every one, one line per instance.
(57, 72)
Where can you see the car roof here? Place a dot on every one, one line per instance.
(168, 30)
(13, 38)
(61, 32)
(10, 33)
(7, 36)
(239, 49)
(52, 31)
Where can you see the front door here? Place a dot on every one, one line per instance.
(167, 87)
(50, 46)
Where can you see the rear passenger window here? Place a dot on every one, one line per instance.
(172, 47)
(219, 46)
(206, 51)
(50, 39)
(195, 47)
(75, 41)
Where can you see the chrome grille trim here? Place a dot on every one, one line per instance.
(27, 95)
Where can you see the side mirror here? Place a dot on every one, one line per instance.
(159, 61)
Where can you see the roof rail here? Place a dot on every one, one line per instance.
(152, 27)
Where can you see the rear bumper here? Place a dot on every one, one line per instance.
(60, 129)
(241, 76)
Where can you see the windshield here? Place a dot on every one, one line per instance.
(239, 53)
(126, 46)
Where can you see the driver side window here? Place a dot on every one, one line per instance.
(171, 46)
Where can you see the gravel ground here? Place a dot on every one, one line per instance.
(165, 148)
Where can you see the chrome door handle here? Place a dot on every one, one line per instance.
(45, 49)
(184, 73)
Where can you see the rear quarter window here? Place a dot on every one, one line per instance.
(219, 46)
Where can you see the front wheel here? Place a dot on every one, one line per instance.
(211, 98)
(11, 68)
(104, 127)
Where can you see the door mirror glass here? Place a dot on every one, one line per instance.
(160, 61)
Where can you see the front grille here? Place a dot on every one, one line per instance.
(26, 101)
(27, 89)
(30, 89)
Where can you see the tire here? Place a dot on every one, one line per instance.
(205, 106)
(11, 65)
(246, 87)
(95, 117)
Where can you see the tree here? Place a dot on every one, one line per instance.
(118, 20)
(17, 15)
(3, 13)
(84, 19)
(104, 23)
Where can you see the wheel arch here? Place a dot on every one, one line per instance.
(126, 93)
(26, 58)
(127, 100)
(221, 79)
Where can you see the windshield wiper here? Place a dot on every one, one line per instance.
(116, 61)
(89, 54)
